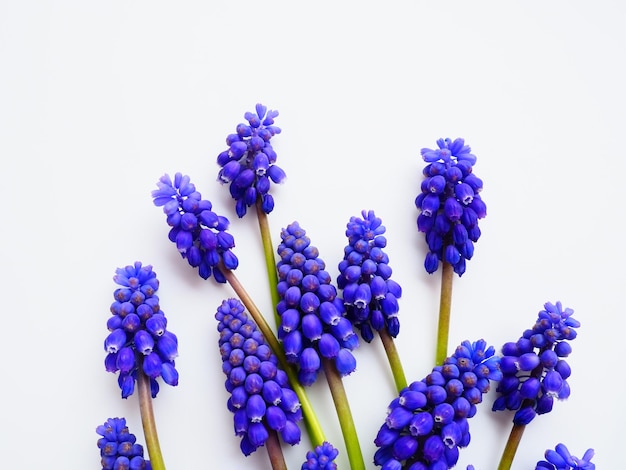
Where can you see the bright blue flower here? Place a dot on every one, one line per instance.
(248, 165)
(450, 205)
(118, 447)
(428, 423)
(370, 296)
(561, 459)
(143, 344)
(321, 458)
(533, 368)
(198, 232)
(313, 325)
(261, 399)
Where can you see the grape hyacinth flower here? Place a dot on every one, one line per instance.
(533, 368)
(248, 165)
(138, 340)
(428, 423)
(450, 205)
(369, 295)
(312, 321)
(561, 459)
(199, 233)
(261, 400)
(119, 448)
(321, 458)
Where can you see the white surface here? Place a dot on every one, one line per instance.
(99, 99)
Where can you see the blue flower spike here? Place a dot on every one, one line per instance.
(321, 458)
(199, 233)
(119, 448)
(450, 205)
(261, 400)
(561, 459)
(248, 166)
(138, 339)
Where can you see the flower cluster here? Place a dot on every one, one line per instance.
(533, 368)
(561, 459)
(118, 447)
(428, 423)
(261, 398)
(199, 233)
(139, 339)
(321, 458)
(450, 205)
(312, 321)
(369, 295)
(249, 163)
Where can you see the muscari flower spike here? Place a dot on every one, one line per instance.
(312, 322)
(450, 205)
(248, 165)
(428, 423)
(561, 459)
(261, 398)
(199, 233)
(118, 447)
(369, 295)
(321, 458)
(138, 339)
(533, 368)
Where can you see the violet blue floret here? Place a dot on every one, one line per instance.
(138, 340)
(261, 400)
(450, 205)
(119, 448)
(248, 166)
(312, 322)
(427, 423)
(561, 459)
(321, 458)
(199, 233)
(369, 295)
(534, 369)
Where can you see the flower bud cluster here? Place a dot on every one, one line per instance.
(249, 163)
(261, 398)
(198, 232)
(561, 459)
(312, 321)
(118, 447)
(138, 340)
(369, 295)
(428, 423)
(533, 368)
(450, 205)
(321, 458)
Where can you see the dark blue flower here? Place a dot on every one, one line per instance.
(261, 398)
(427, 423)
(450, 205)
(119, 448)
(533, 368)
(138, 340)
(199, 233)
(561, 459)
(248, 165)
(369, 295)
(313, 325)
(321, 458)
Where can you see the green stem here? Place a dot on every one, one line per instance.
(511, 446)
(313, 426)
(148, 422)
(344, 414)
(445, 304)
(275, 452)
(394, 359)
(270, 260)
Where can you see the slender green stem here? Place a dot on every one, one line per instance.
(348, 429)
(275, 452)
(394, 359)
(445, 304)
(270, 260)
(511, 446)
(313, 426)
(148, 422)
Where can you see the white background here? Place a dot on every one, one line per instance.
(99, 99)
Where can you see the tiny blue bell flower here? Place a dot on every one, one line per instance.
(118, 447)
(561, 459)
(321, 458)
